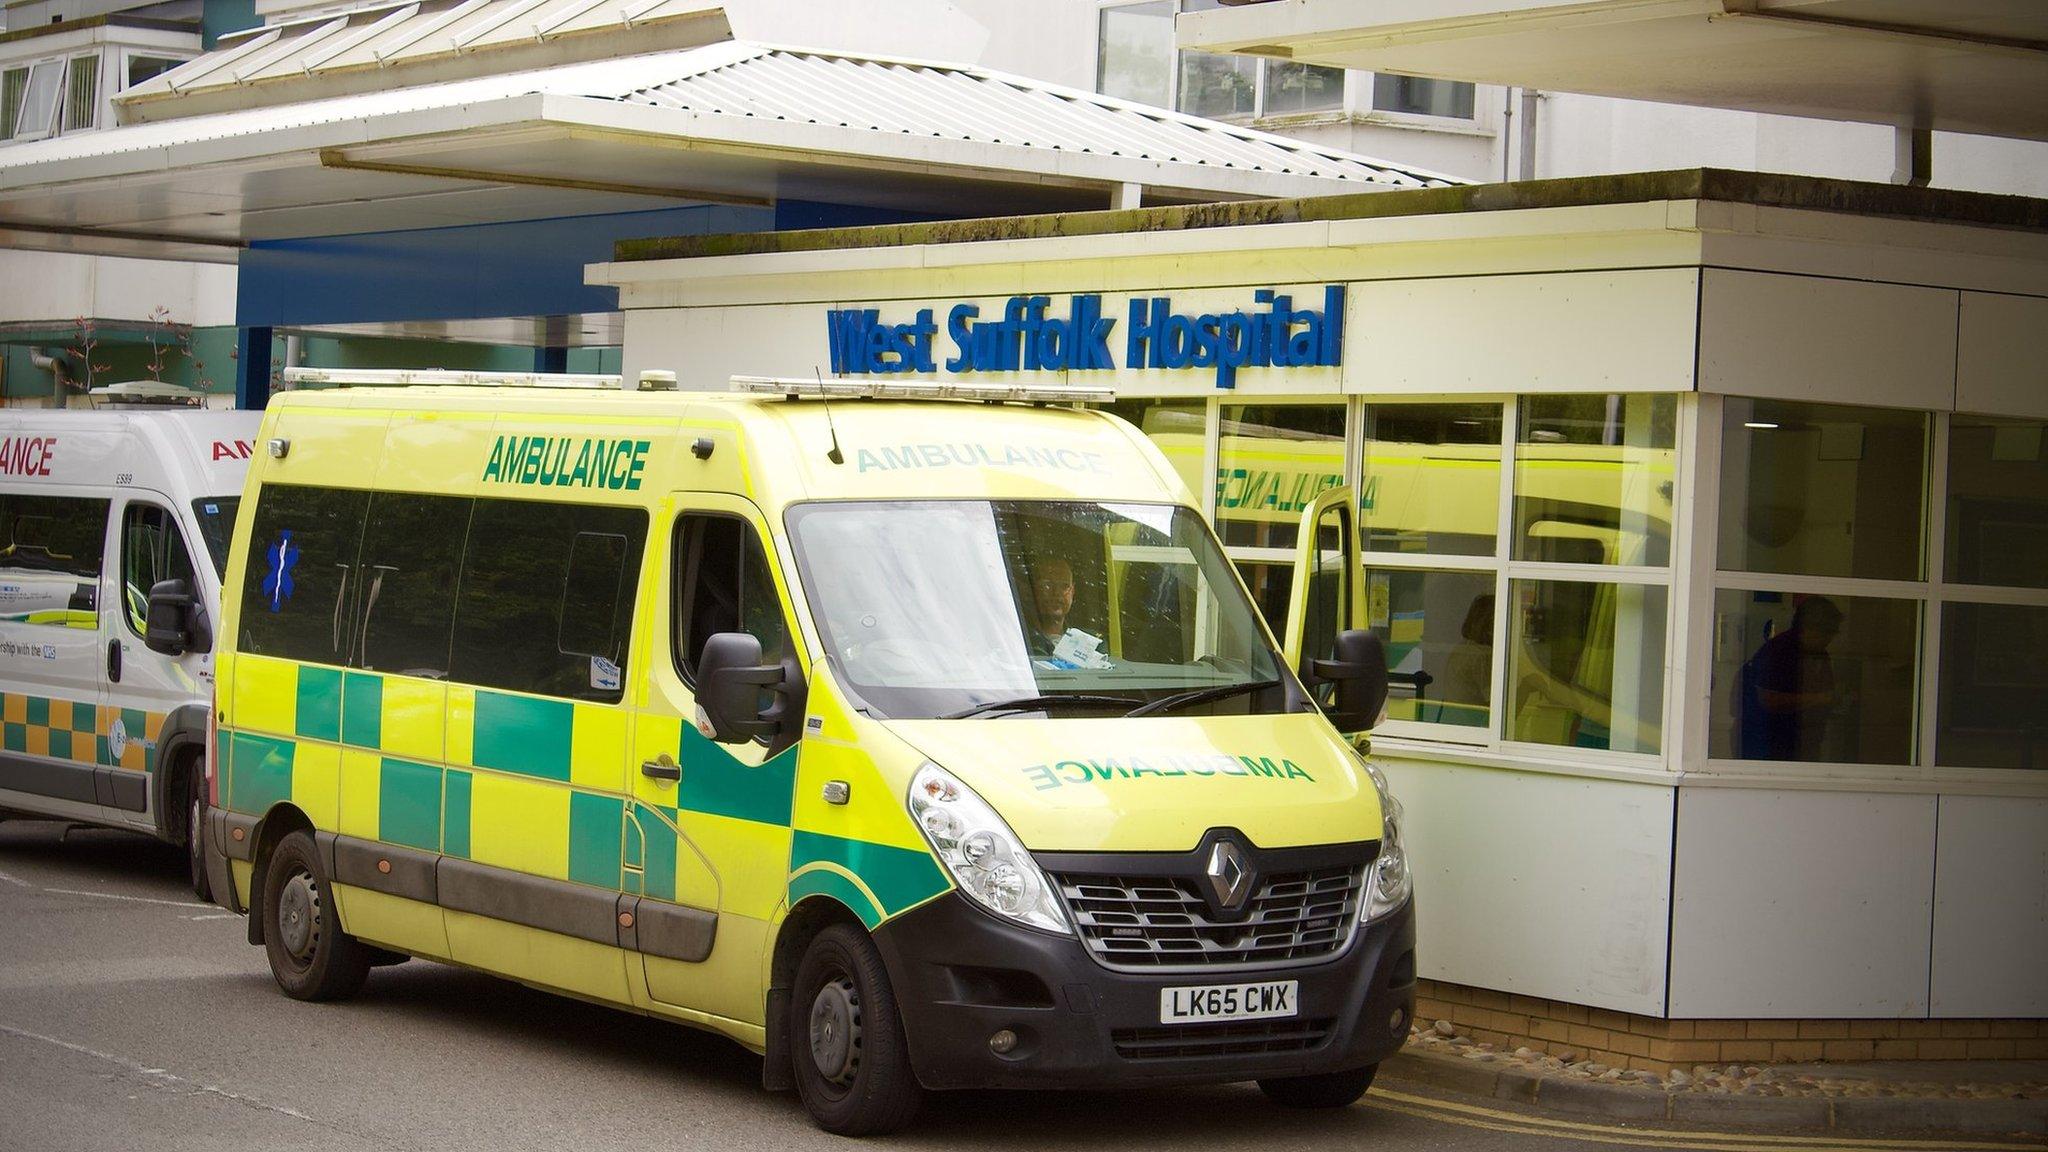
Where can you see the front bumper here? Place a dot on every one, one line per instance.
(961, 975)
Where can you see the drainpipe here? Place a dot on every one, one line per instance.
(54, 365)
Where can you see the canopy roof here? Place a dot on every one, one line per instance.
(726, 122)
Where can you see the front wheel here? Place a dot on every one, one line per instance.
(1325, 1090)
(846, 1038)
(312, 958)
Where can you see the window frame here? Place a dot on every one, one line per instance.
(679, 615)
(62, 63)
(170, 514)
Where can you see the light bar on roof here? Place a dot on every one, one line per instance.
(392, 377)
(921, 390)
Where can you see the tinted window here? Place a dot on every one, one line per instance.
(536, 575)
(302, 572)
(152, 549)
(217, 527)
(723, 585)
(412, 550)
(50, 559)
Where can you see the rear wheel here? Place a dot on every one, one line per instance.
(312, 958)
(1325, 1090)
(195, 848)
(846, 1038)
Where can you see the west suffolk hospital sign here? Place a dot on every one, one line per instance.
(1028, 337)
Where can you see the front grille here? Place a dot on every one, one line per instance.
(1161, 923)
(1172, 1042)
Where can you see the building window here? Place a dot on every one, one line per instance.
(145, 68)
(81, 93)
(1272, 461)
(1822, 490)
(1997, 509)
(1136, 60)
(30, 98)
(1588, 664)
(1417, 96)
(1993, 706)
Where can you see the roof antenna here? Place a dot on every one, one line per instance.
(835, 455)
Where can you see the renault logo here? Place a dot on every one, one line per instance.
(1229, 879)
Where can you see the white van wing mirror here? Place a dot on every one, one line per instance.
(176, 623)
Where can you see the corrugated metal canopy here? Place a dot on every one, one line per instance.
(729, 122)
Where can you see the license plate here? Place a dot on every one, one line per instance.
(1268, 1000)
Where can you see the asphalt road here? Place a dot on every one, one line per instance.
(132, 1016)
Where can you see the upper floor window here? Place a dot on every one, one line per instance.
(47, 97)
(1136, 60)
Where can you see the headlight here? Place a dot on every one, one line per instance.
(1390, 884)
(986, 859)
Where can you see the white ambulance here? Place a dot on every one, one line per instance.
(96, 510)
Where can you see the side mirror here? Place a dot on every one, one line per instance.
(176, 623)
(730, 680)
(1359, 670)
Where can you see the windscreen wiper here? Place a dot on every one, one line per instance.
(1200, 696)
(1034, 702)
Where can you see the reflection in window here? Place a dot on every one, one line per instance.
(51, 548)
(1218, 86)
(146, 68)
(1994, 686)
(1438, 632)
(152, 550)
(300, 579)
(514, 599)
(1594, 478)
(1422, 97)
(1292, 87)
(723, 585)
(1813, 678)
(1997, 502)
(1135, 59)
(1178, 428)
(1432, 478)
(412, 550)
(1587, 666)
(1822, 490)
(1272, 461)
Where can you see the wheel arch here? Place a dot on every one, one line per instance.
(810, 916)
(279, 822)
(181, 744)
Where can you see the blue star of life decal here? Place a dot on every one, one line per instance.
(281, 557)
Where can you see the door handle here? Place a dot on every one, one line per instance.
(114, 661)
(662, 767)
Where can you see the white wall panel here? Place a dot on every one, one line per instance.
(1801, 904)
(1628, 331)
(1991, 907)
(2002, 355)
(1554, 886)
(1833, 341)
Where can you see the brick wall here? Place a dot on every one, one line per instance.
(1652, 1043)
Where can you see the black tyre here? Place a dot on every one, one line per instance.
(846, 1038)
(1326, 1090)
(195, 812)
(312, 958)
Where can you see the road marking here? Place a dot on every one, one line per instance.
(1498, 1120)
(15, 880)
(131, 899)
(211, 916)
(158, 1077)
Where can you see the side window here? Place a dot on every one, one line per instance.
(152, 549)
(298, 594)
(50, 559)
(412, 553)
(545, 602)
(723, 585)
(1329, 590)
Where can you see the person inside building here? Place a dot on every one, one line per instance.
(1788, 686)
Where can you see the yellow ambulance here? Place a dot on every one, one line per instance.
(917, 737)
